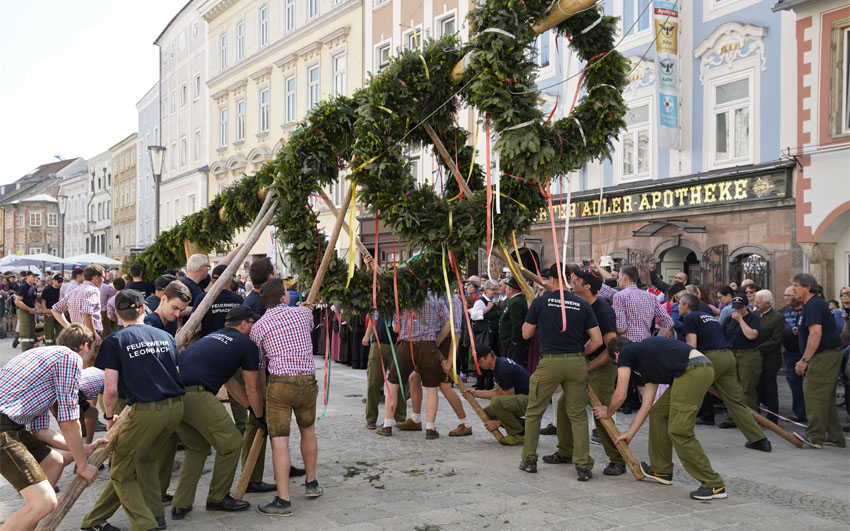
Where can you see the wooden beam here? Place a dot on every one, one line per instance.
(477, 408)
(772, 426)
(614, 433)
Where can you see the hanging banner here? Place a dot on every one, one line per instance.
(667, 72)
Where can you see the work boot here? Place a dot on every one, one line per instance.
(409, 425)
(462, 430)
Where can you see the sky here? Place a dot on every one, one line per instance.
(72, 73)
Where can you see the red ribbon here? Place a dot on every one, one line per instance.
(557, 261)
(489, 193)
(375, 267)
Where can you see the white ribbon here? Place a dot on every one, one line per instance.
(595, 23)
(499, 31)
(519, 126)
(567, 219)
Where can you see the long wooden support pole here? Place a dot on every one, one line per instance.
(772, 426)
(477, 408)
(614, 433)
(72, 492)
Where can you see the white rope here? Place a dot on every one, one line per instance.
(519, 126)
(580, 130)
(593, 25)
(499, 31)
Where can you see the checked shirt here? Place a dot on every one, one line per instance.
(83, 300)
(283, 337)
(35, 380)
(636, 310)
(424, 323)
(91, 382)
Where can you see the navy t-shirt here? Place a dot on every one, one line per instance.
(736, 337)
(213, 360)
(656, 360)
(217, 314)
(790, 341)
(196, 290)
(607, 320)
(50, 296)
(708, 330)
(153, 319)
(545, 312)
(28, 293)
(385, 335)
(509, 375)
(817, 312)
(145, 287)
(152, 302)
(145, 359)
(255, 302)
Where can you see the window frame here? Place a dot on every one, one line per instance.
(619, 153)
(40, 218)
(312, 9)
(197, 143)
(407, 38)
(55, 219)
(844, 129)
(713, 80)
(379, 48)
(263, 109)
(636, 34)
(240, 120)
(223, 117)
(197, 87)
(240, 40)
(445, 17)
(290, 108)
(337, 74)
(289, 16)
(184, 151)
(263, 25)
(222, 51)
(310, 85)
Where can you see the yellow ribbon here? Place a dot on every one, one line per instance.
(516, 251)
(351, 235)
(451, 316)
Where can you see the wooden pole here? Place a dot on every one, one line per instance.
(614, 433)
(526, 291)
(71, 493)
(364, 252)
(477, 408)
(250, 462)
(772, 426)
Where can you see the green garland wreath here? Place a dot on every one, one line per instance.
(368, 132)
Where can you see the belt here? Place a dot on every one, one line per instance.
(717, 350)
(745, 350)
(290, 377)
(197, 389)
(699, 361)
(563, 355)
(157, 405)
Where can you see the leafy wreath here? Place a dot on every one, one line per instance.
(367, 133)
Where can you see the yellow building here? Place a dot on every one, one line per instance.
(269, 63)
(124, 196)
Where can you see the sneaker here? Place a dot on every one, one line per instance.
(371, 425)
(583, 473)
(763, 445)
(557, 459)
(105, 526)
(614, 469)
(430, 435)
(594, 437)
(709, 493)
(409, 425)
(512, 440)
(807, 440)
(549, 430)
(385, 431)
(312, 489)
(462, 430)
(726, 425)
(529, 466)
(99, 426)
(664, 479)
(277, 507)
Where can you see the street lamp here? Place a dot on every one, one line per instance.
(63, 205)
(157, 154)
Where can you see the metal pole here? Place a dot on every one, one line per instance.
(156, 206)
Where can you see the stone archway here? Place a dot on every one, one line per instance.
(679, 254)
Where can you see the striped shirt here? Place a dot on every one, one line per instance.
(636, 310)
(283, 337)
(424, 323)
(84, 300)
(35, 380)
(91, 382)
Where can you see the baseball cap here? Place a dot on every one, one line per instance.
(218, 270)
(127, 299)
(164, 280)
(58, 277)
(739, 302)
(240, 313)
(590, 278)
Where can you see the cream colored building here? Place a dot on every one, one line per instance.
(269, 63)
(124, 166)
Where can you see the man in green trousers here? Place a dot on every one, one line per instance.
(689, 373)
(742, 331)
(379, 338)
(25, 301)
(142, 360)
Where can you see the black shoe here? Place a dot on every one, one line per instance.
(614, 469)
(99, 426)
(664, 479)
(704, 422)
(295, 472)
(277, 507)
(725, 425)
(105, 526)
(167, 498)
(312, 489)
(160, 522)
(594, 437)
(625, 410)
(178, 513)
(549, 430)
(15, 343)
(763, 445)
(529, 466)
(583, 473)
(229, 504)
(708, 493)
(557, 459)
(807, 440)
(261, 486)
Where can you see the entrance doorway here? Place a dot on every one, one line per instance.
(678, 259)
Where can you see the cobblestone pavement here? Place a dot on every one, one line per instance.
(406, 482)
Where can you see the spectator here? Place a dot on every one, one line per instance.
(74, 283)
(791, 353)
(724, 296)
(655, 279)
(510, 324)
(83, 304)
(637, 309)
(769, 340)
(117, 323)
(152, 302)
(742, 331)
(138, 282)
(50, 296)
(750, 292)
(106, 293)
(25, 301)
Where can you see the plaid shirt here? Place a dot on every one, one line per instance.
(83, 300)
(636, 310)
(606, 292)
(283, 336)
(35, 380)
(91, 382)
(68, 287)
(424, 323)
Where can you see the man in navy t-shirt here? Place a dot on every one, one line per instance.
(742, 331)
(138, 282)
(175, 298)
(205, 367)
(152, 301)
(508, 399)
(216, 315)
(260, 271)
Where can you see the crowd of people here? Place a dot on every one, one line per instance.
(108, 342)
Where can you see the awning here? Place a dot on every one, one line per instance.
(654, 226)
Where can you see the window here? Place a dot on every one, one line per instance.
(240, 41)
(52, 219)
(289, 97)
(544, 49)
(222, 127)
(240, 120)
(184, 151)
(35, 250)
(290, 15)
(173, 101)
(338, 191)
(167, 218)
(177, 214)
(264, 26)
(35, 219)
(264, 110)
(415, 168)
(382, 56)
(845, 79)
(732, 121)
(165, 105)
(173, 151)
(636, 145)
(197, 86)
(413, 39)
(312, 8)
(190, 204)
(338, 65)
(184, 94)
(222, 52)
(196, 145)
(636, 13)
(313, 86)
(448, 26)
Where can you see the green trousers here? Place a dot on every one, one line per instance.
(570, 372)
(671, 425)
(730, 391)
(375, 379)
(749, 364)
(133, 473)
(601, 380)
(240, 414)
(819, 393)
(206, 423)
(51, 330)
(508, 409)
(26, 330)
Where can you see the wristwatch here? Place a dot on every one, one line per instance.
(804, 360)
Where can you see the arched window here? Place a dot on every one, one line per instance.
(753, 262)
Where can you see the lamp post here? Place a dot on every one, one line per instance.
(157, 154)
(63, 205)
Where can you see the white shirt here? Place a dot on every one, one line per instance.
(476, 313)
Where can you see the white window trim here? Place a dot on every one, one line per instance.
(845, 92)
(222, 51)
(388, 43)
(240, 137)
(184, 151)
(196, 154)
(334, 55)
(286, 5)
(547, 71)
(713, 9)
(286, 79)
(307, 68)
(55, 219)
(40, 219)
(223, 138)
(743, 68)
(637, 38)
(196, 82)
(318, 9)
(195, 196)
(260, 42)
(644, 97)
(407, 35)
(260, 89)
(240, 41)
(438, 21)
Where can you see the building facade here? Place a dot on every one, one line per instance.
(269, 63)
(148, 135)
(124, 164)
(74, 196)
(99, 208)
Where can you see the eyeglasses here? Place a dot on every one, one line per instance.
(751, 291)
(845, 293)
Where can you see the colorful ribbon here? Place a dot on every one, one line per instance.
(451, 315)
(557, 259)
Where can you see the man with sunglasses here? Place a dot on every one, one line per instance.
(198, 275)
